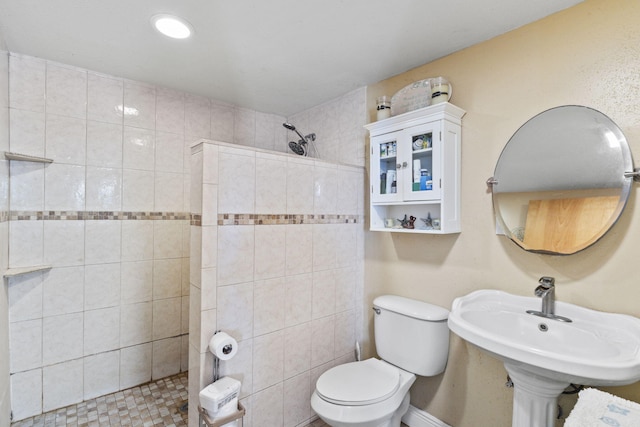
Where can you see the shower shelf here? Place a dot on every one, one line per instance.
(18, 271)
(26, 158)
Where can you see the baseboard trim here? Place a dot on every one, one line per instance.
(418, 418)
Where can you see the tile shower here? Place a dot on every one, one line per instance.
(276, 262)
(111, 215)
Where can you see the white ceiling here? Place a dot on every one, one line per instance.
(276, 56)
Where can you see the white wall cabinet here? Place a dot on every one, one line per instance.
(415, 170)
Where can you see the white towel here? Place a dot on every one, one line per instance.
(597, 408)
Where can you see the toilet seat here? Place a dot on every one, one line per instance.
(359, 383)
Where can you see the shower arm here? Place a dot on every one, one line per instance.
(302, 137)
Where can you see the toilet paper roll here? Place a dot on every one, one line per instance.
(223, 346)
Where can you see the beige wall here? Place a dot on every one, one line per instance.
(588, 55)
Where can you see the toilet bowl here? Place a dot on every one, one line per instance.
(371, 393)
(412, 338)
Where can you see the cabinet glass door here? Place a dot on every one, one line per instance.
(422, 176)
(385, 182)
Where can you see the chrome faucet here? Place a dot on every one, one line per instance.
(547, 291)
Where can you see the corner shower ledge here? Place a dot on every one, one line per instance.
(18, 271)
(26, 158)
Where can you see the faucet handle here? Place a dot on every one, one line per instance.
(547, 282)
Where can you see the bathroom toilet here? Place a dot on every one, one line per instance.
(412, 338)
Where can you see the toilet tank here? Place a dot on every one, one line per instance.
(412, 335)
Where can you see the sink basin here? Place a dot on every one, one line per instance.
(596, 348)
(543, 356)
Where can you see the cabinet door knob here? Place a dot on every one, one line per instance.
(398, 165)
(404, 164)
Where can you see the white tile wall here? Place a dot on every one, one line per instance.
(63, 243)
(271, 188)
(62, 338)
(27, 129)
(268, 406)
(62, 384)
(135, 365)
(104, 144)
(25, 341)
(26, 393)
(65, 187)
(103, 189)
(284, 291)
(138, 148)
(137, 240)
(338, 125)
(25, 297)
(135, 323)
(101, 286)
(66, 91)
(4, 236)
(298, 406)
(102, 242)
(297, 350)
(236, 246)
(270, 254)
(235, 310)
(27, 77)
(268, 363)
(269, 303)
(298, 299)
(299, 249)
(104, 96)
(65, 139)
(63, 291)
(124, 146)
(101, 373)
(101, 330)
(117, 146)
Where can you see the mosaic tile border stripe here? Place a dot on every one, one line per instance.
(194, 219)
(95, 215)
(279, 219)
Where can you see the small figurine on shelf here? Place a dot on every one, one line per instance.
(428, 222)
(407, 222)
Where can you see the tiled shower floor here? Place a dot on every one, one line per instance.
(152, 404)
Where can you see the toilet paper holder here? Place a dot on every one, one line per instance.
(227, 351)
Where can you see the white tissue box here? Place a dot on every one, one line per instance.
(218, 394)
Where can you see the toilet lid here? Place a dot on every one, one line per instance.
(358, 383)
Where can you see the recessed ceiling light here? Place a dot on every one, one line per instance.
(172, 26)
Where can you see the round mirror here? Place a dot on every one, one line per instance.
(562, 180)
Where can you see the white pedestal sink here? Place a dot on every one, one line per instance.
(543, 356)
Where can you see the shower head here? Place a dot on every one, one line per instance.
(293, 128)
(298, 148)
